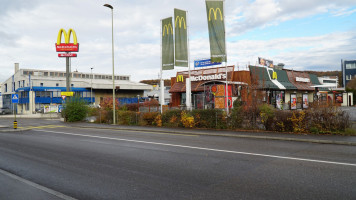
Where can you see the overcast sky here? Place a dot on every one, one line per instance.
(303, 34)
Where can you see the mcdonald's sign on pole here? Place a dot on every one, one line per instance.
(181, 38)
(167, 44)
(66, 46)
(216, 24)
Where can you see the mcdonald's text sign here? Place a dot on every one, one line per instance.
(67, 46)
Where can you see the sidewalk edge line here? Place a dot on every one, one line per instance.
(37, 186)
(237, 136)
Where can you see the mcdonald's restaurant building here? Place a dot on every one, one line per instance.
(289, 89)
(208, 87)
(284, 89)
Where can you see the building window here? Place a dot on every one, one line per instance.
(351, 66)
(72, 85)
(41, 84)
(57, 84)
(348, 77)
(56, 94)
(45, 74)
(19, 84)
(5, 87)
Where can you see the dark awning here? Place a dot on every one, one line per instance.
(282, 77)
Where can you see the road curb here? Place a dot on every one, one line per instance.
(233, 135)
(15, 130)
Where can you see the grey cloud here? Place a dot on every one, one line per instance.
(8, 6)
(266, 12)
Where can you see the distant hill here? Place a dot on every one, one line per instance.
(328, 73)
(167, 82)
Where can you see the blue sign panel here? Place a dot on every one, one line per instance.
(15, 98)
(60, 108)
(204, 63)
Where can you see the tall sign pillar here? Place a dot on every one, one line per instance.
(68, 74)
(68, 48)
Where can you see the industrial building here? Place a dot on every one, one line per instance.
(38, 89)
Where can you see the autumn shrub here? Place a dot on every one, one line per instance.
(237, 115)
(102, 116)
(282, 122)
(93, 111)
(187, 120)
(327, 119)
(126, 117)
(132, 107)
(171, 118)
(299, 122)
(251, 114)
(158, 120)
(267, 114)
(148, 118)
(107, 103)
(151, 103)
(210, 118)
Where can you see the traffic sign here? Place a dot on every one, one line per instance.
(69, 94)
(64, 97)
(15, 98)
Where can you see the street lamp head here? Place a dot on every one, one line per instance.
(109, 6)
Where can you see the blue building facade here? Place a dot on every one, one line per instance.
(348, 69)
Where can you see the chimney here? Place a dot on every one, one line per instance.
(17, 67)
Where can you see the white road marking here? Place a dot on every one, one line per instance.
(202, 148)
(37, 186)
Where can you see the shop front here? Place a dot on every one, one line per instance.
(208, 88)
(304, 95)
(264, 80)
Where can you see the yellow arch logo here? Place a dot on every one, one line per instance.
(180, 78)
(166, 28)
(274, 75)
(215, 12)
(180, 20)
(66, 36)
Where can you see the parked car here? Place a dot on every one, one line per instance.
(39, 110)
(4, 111)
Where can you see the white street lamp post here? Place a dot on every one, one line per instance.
(91, 85)
(113, 74)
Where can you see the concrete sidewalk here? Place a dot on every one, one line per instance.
(32, 116)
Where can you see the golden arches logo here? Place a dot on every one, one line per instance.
(180, 78)
(274, 75)
(215, 12)
(180, 20)
(166, 28)
(66, 36)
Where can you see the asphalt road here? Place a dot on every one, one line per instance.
(113, 164)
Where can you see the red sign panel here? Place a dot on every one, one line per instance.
(67, 55)
(63, 47)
